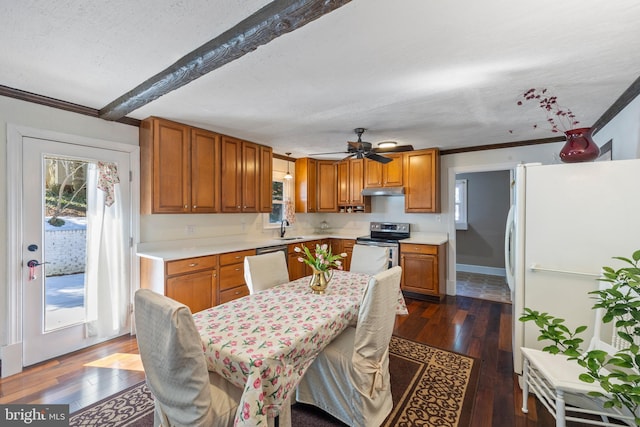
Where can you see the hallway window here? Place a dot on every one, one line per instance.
(461, 205)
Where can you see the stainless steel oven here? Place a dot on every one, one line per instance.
(387, 234)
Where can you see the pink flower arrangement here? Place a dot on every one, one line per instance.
(322, 259)
(559, 118)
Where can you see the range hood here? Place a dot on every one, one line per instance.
(383, 191)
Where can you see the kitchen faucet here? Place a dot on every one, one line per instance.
(282, 229)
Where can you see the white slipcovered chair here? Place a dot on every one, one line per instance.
(185, 393)
(553, 378)
(369, 259)
(350, 378)
(266, 270)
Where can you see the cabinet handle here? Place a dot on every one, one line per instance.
(237, 256)
(195, 206)
(237, 269)
(237, 292)
(193, 264)
(185, 206)
(238, 207)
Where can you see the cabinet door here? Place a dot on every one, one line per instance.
(171, 176)
(356, 181)
(231, 174)
(343, 183)
(327, 186)
(250, 177)
(372, 174)
(295, 267)
(306, 185)
(347, 247)
(392, 172)
(266, 178)
(420, 273)
(422, 181)
(205, 171)
(195, 290)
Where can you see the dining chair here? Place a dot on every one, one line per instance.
(350, 378)
(264, 271)
(553, 378)
(185, 392)
(369, 259)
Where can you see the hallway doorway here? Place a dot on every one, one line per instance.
(480, 237)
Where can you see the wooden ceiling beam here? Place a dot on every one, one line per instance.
(275, 19)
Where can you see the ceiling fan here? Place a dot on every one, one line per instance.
(363, 150)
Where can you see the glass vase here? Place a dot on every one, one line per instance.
(579, 146)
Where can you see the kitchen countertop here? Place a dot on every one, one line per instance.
(180, 249)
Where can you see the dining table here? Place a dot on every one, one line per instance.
(264, 342)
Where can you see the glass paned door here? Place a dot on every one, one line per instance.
(74, 294)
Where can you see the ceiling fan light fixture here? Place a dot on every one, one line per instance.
(288, 175)
(387, 144)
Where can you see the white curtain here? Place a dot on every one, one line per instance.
(106, 270)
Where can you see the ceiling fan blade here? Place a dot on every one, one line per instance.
(377, 158)
(396, 149)
(333, 152)
(346, 158)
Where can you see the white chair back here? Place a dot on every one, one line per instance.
(369, 259)
(173, 360)
(376, 320)
(265, 271)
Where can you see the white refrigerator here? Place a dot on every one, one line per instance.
(567, 221)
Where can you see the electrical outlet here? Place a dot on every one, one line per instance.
(438, 219)
(190, 229)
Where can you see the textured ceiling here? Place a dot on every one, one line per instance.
(429, 73)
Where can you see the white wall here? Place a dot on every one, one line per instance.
(624, 131)
(41, 117)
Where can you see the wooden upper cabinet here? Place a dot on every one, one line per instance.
(306, 185)
(266, 179)
(350, 182)
(422, 181)
(344, 191)
(205, 171)
(179, 168)
(190, 170)
(250, 183)
(240, 177)
(231, 174)
(327, 186)
(377, 175)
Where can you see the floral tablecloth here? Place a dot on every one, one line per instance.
(264, 343)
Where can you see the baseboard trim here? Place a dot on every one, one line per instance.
(480, 269)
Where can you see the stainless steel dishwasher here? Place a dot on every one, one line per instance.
(279, 248)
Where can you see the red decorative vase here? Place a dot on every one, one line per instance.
(579, 146)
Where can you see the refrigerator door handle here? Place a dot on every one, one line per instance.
(509, 247)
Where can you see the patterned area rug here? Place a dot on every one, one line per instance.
(430, 387)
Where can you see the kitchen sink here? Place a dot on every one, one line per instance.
(291, 238)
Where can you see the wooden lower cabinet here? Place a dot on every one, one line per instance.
(191, 281)
(423, 269)
(231, 282)
(296, 268)
(339, 246)
(195, 290)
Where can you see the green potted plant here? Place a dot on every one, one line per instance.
(618, 374)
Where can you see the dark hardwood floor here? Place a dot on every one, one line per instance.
(475, 327)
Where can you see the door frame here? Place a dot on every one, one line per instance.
(11, 353)
(451, 224)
